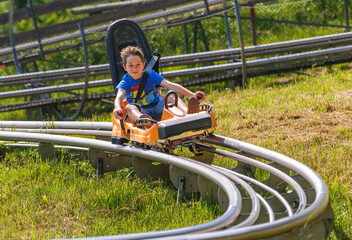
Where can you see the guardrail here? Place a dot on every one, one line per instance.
(299, 58)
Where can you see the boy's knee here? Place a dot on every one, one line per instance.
(132, 107)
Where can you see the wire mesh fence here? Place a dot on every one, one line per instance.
(288, 20)
(213, 26)
(262, 23)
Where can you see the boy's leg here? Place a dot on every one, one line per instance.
(133, 111)
(156, 111)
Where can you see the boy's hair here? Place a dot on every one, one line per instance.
(129, 51)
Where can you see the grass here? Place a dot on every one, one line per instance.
(62, 198)
(304, 117)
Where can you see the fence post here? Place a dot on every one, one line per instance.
(226, 18)
(185, 32)
(347, 14)
(12, 38)
(207, 7)
(202, 34)
(243, 57)
(36, 31)
(254, 34)
(229, 40)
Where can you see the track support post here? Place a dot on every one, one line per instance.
(190, 186)
(99, 167)
(46, 150)
(145, 168)
(180, 187)
(111, 162)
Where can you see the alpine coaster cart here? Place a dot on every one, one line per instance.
(176, 128)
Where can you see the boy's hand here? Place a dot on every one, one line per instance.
(118, 114)
(200, 96)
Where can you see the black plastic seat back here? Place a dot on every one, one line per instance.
(121, 34)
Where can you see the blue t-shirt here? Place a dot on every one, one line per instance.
(149, 95)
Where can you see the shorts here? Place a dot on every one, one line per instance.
(155, 111)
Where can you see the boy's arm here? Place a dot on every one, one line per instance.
(118, 103)
(182, 90)
(177, 88)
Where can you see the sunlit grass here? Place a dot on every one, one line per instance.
(62, 198)
(304, 117)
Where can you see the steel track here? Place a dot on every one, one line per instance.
(292, 203)
(55, 102)
(220, 73)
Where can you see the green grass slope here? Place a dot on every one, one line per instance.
(308, 118)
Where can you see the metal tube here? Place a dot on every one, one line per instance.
(52, 73)
(187, 72)
(269, 189)
(249, 190)
(103, 28)
(229, 188)
(251, 49)
(300, 23)
(259, 62)
(326, 39)
(62, 131)
(315, 209)
(54, 78)
(300, 193)
(267, 207)
(50, 89)
(255, 200)
(56, 125)
(280, 225)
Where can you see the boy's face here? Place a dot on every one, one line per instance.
(134, 66)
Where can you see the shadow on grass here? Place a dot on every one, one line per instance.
(341, 235)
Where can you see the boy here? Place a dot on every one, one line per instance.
(149, 105)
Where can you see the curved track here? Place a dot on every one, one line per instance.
(292, 203)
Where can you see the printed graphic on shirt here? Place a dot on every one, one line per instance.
(144, 99)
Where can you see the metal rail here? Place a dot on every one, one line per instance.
(224, 72)
(252, 51)
(56, 101)
(271, 69)
(298, 213)
(177, 73)
(226, 185)
(258, 67)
